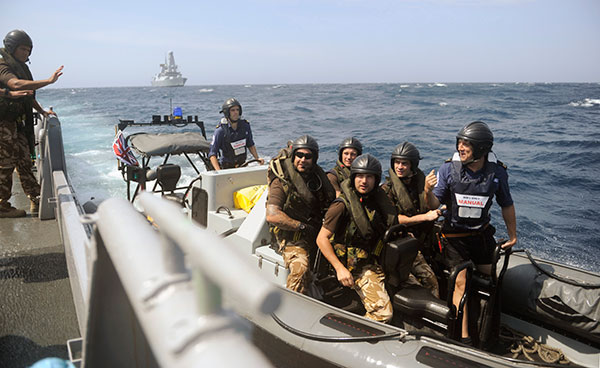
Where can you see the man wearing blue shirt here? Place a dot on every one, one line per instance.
(232, 139)
(467, 184)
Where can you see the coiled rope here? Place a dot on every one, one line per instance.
(529, 347)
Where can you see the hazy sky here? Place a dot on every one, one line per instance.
(121, 43)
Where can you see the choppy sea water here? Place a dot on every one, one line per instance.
(547, 134)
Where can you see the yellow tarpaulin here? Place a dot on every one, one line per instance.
(246, 198)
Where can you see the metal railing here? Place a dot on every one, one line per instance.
(148, 298)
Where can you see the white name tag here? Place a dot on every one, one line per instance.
(470, 206)
(467, 200)
(239, 147)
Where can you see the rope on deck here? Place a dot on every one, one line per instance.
(529, 347)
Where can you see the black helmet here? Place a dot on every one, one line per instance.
(306, 141)
(366, 164)
(479, 135)
(228, 105)
(15, 39)
(350, 142)
(406, 151)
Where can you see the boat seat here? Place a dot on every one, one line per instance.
(418, 302)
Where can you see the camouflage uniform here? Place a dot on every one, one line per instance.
(296, 259)
(410, 200)
(14, 153)
(16, 134)
(421, 274)
(370, 287)
(288, 190)
(358, 224)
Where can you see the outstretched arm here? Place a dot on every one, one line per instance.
(6, 92)
(275, 216)
(430, 215)
(510, 220)
(255, 154)
(215, 163)
(22, 84)
(343, 275)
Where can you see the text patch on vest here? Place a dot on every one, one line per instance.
(470, 206)
(239, 147)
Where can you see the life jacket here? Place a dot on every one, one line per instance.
(307, 200)
(19, 110)
(340, 171)
(234, 153)
(362, 236)
(472, 198)
(407, 204)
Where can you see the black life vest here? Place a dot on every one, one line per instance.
(472, 198)
(234, 150)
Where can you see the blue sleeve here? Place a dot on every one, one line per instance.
(503, 197)
(442, 189)
(249, 139)
(217, 142)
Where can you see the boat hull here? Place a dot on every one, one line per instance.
(169, 82)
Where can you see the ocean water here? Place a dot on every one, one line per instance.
(547, 134)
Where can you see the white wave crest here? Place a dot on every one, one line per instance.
(404, 85)
(588, 102)
(438, 85)
(205, 90)
(443, 104)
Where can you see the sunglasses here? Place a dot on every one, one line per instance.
(307, 156)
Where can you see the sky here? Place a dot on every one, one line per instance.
(121, 43)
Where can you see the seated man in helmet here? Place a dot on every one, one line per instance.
(232, 138)
(406, 188)
(467, 184)
(17, 141)
(349, 149)
(355, 223)
(299, 194)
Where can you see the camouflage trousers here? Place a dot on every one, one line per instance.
(421, 274)
(296, 259)
(14, 154)
(370, 286)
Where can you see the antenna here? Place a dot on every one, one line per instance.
(171, 108)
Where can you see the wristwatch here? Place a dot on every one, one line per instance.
(6, 91)
(302, 226)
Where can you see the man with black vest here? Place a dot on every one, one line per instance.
(467, 184)
(355, 223)
(348, 151)
(17, 141)
(232, 139)
(299, 194)
(405, 186)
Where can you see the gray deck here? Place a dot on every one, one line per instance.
(37, 315)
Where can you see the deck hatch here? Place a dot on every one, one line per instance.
(349, 326)
(438, 358)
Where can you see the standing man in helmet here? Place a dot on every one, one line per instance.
(467, 184)
(357, 221)
(232, 138)
(299, 194)
(349, 149)
(17, 141)
(406, 188)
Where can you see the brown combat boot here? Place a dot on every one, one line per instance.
(11, 212)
